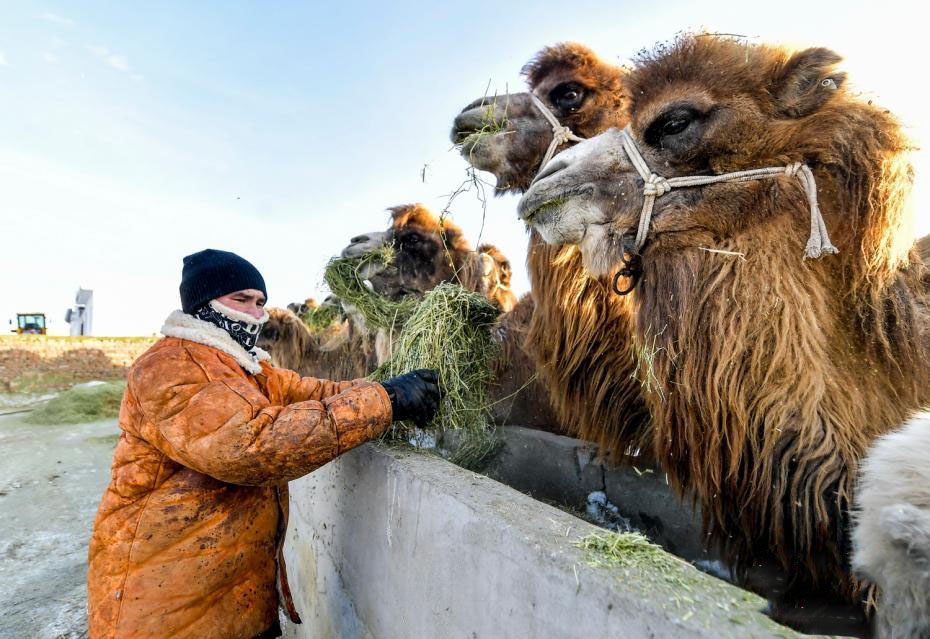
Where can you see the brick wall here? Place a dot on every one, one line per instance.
(38, 362)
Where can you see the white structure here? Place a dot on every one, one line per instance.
(79, 316)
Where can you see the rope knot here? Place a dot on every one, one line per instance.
(656, 185)
(792, 169)
(561, 135)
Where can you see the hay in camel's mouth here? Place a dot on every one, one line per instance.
(449, 329)
(490, 127)
(549, 206)
(346, 279)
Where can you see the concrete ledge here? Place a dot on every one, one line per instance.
(387, 543)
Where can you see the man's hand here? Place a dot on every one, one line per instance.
(415, 395)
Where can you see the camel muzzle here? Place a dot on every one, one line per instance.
(361, 244)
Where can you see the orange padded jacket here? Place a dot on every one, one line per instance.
(187, 540)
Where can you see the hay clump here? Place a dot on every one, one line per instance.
(450, 330)
(84, 403)
(346, 279)
(632, 550)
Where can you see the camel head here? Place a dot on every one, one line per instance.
(509, 135)
(302, 308)
(429, 250)
(284, 336)
(706, 106)
(488, 272)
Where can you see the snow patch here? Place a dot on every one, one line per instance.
(606, 514)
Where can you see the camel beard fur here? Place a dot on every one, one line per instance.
(763, 393)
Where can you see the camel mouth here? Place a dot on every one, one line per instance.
(546, 210)
(477, 125)
(539, 204)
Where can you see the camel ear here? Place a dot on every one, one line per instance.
(806, 81)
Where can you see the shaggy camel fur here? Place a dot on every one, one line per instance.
(768, 376)
(517, 397)
(891, 539)
(579, 332)
(340, 354)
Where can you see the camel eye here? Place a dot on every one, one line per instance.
(672, 123)
(675, 126)
(568, 96)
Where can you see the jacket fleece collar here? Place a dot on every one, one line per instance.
(183, 326)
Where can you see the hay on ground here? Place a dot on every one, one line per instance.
(84, 403)
(632, 550)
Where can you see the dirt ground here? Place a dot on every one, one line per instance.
(51, 480)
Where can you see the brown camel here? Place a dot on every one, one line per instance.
(768, 376)
(342, 352)
(430, 250)
(427, 251)
(579, 331)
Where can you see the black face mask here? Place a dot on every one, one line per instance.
(245, 333)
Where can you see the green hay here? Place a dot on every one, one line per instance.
(634, 550)
(80, 404)
(548, 204)
(450, 330)
(490, 127)
(319, 319)
(345, 277)
(644, 356)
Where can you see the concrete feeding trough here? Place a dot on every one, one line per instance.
(387, 542)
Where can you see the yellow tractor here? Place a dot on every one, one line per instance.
(30, 323)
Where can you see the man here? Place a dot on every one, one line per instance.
(187, 540)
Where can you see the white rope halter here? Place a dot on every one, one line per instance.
(560, 134)
(656, 186)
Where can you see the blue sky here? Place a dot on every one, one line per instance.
(134, 133)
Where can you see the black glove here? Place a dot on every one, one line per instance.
(415, 395)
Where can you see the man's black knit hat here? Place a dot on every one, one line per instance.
(209, 274)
